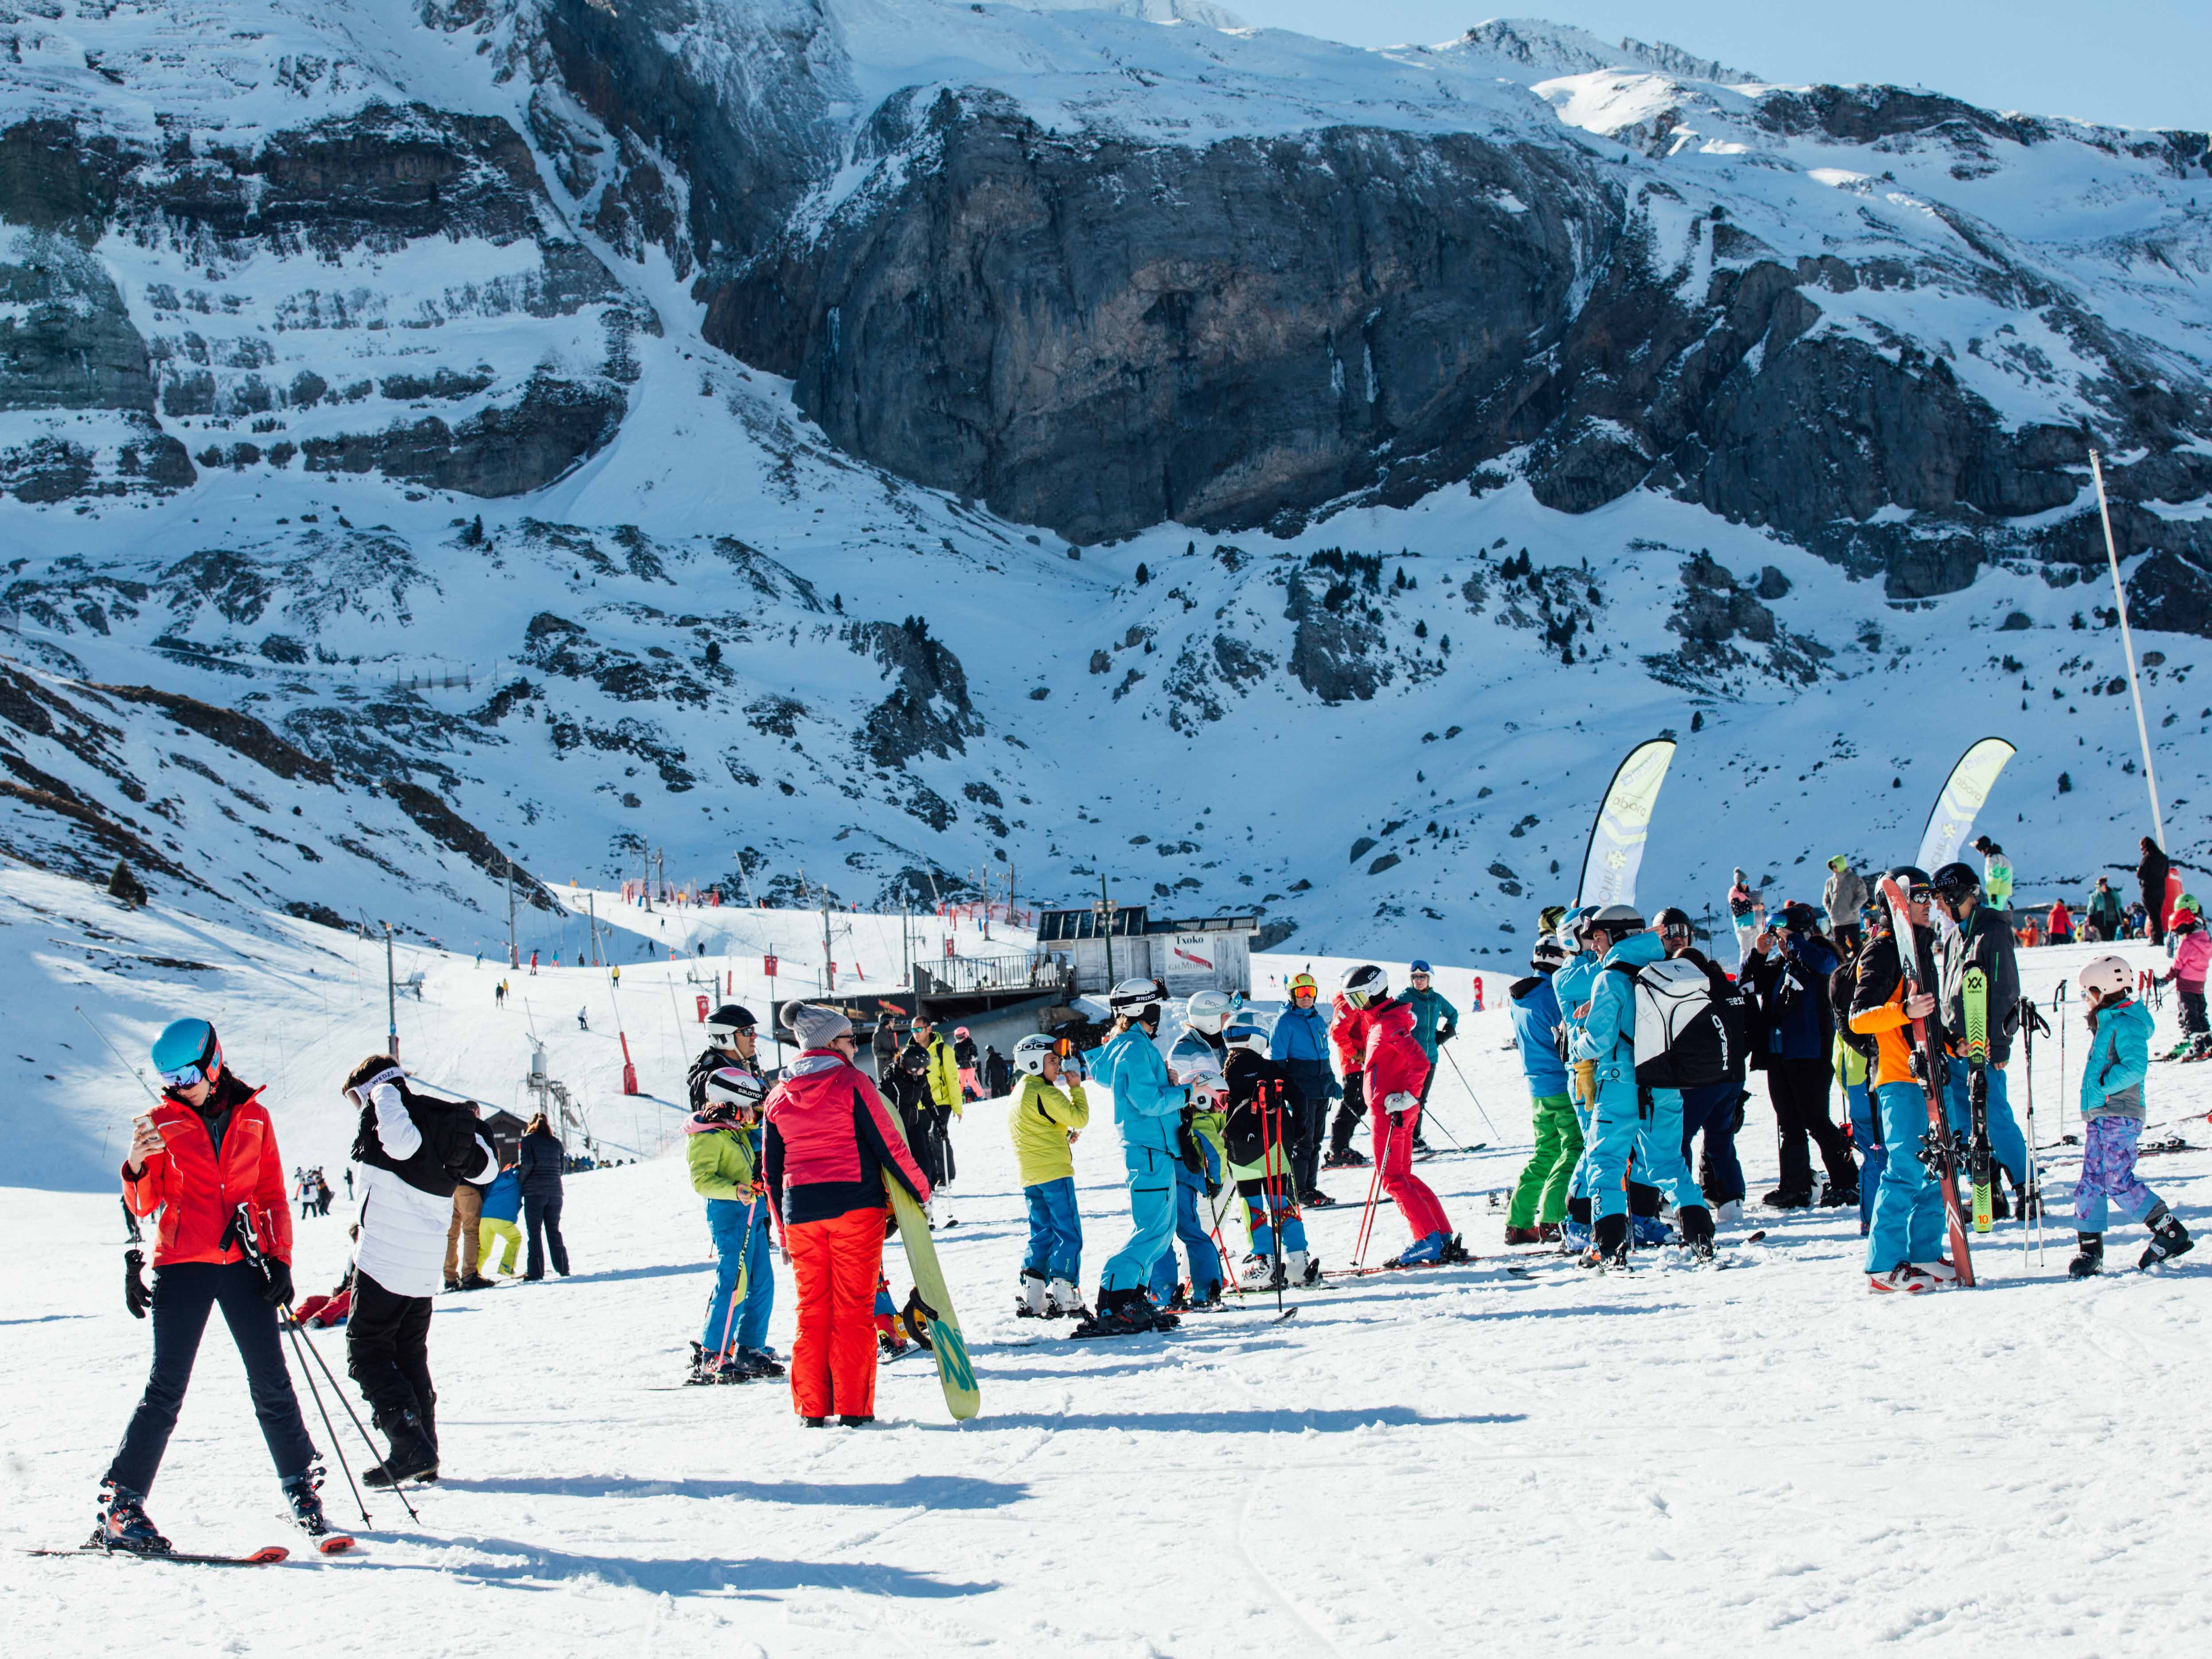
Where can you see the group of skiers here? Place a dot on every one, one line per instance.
(1920, 1029)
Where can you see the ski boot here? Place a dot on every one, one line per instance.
(2089, 1261)
(1205, 1301)
(762, 1362)
(1789, 1198)
(1030, 1303)
(1125, 1313)
(1314, 1198)
(1903, 1280)
(1178, 1298)
(2000, 1203)
(1455, 1250)
(1835, 1195)
(1345, 1157)
(124, 1526)
(1697, 1232)
(1259, 1273)
(1523, 1235)
(2168, 1238)
(1548, 1232)
(1064, 1301)
(1941, 1271)
(1648, 1232)
(1299, 1268)
(413, 1456)
(1609, 1245)
(1422, 1252)
(306, 1508)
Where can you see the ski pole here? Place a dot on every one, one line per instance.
(291, 1325)
(1472, 1095)
(243, 1228)
(1367, 1217)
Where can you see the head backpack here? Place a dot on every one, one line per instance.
(1685, 1037)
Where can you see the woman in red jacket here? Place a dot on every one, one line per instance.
(830, 1142)
(198, 1157)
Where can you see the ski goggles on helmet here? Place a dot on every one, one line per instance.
(186, 1053)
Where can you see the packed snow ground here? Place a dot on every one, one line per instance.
(1679, 1460)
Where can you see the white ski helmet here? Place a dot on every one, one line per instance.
(733, 1085)
(1211, 1011)
(1136, 999)
(1250, 1038)
(1031, 1053)
(1618, 922)
(2107, 976)
(1365, 984)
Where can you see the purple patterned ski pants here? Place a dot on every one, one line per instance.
(2108, 1174)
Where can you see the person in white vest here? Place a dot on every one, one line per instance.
(414, 1151)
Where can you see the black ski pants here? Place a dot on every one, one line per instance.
(388, 1350)
(541, 1220)
(1799, 1090)
(1349, 1112)
(1310, 1081)
(183, 1295)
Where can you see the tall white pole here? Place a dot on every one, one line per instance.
(2127, 645)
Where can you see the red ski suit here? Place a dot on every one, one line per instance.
(198, 1193)
(1394, 1064)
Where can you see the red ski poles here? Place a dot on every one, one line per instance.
(1375, 1180)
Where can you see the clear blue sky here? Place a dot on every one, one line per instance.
(2145, 64)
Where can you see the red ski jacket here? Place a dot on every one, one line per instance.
(197, 1192)
(829, 1136)
(1348, 1031)
(1394, 1061)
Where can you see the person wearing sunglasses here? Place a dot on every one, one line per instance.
(207, 1151)
(1299, 1044)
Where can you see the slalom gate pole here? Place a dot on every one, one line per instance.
(1494, 1136)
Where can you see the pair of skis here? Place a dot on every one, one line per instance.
(267, 1555)
(1939, 1151)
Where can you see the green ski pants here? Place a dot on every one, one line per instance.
(1542, 1193)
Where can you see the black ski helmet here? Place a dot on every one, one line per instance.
(1954, 881)
(727, 1021)
(1911, 876)
(1674, 920)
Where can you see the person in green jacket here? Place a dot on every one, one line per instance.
(1045, 1121)
(1997, 877)
(723, 1150)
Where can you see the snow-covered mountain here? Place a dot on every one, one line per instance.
(892, 440)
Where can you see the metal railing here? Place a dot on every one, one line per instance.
(1013, 971)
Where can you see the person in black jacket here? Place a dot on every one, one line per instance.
(1788, 971)
(540, 1167)
(2151, 876)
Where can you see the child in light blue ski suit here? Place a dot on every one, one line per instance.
(2112, 1116)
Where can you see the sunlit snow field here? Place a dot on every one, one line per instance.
(1452, 1461)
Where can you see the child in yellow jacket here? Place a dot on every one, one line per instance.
(1045, 1121)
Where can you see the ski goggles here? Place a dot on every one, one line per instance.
(200, 1071)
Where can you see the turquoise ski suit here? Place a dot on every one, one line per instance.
(1147, 1112)
(1652, 1134)
(1572, 984)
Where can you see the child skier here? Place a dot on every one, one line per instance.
(1049, 1111)
(723, 1152)
(1197, 1060)
(1394, 1069)
(1540, 1197)
(2192, 955)
(1260, 1133)
(2112, 1116)
(205, 1151)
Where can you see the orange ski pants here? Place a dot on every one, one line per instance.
(837, 1263)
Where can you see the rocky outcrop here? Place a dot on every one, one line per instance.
(927, 712)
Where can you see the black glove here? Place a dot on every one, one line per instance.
(1187, 1139)
(1445, 1034)
(277, 1292)
(136, 1295)
(1355, 1094)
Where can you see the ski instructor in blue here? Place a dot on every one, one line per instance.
(1147, 1111)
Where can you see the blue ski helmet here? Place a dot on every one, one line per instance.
(187, 1052)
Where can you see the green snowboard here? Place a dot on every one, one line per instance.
(931, 1306)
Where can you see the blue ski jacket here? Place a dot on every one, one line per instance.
(1147, 1107)
(1300, 1034)
(1611, 1022)
(2119, 1060)
(1535, 1007)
